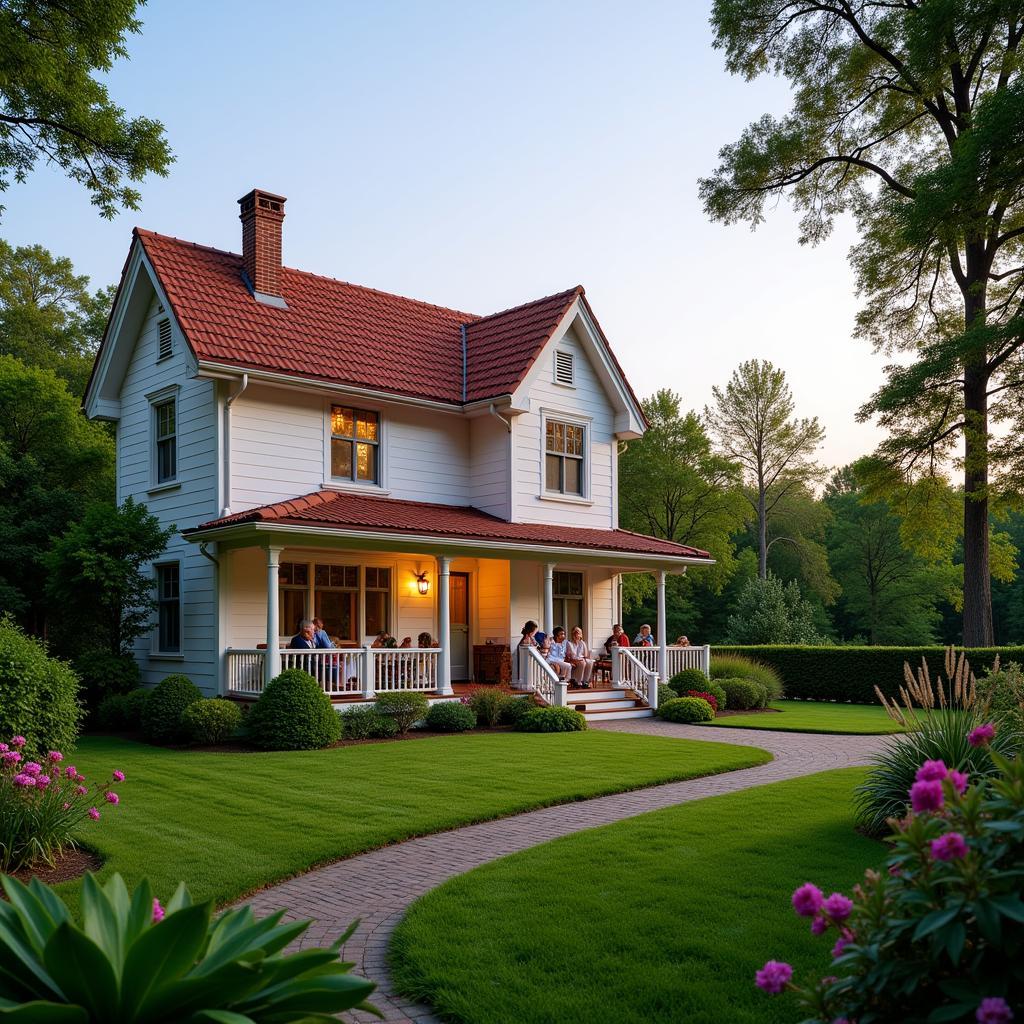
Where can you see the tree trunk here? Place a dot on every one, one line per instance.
(978, 630)
(762, 536)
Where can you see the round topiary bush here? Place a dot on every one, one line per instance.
(552, 719)
(513, 709)
(743, 694)
(450, 716)
(293, 713)
(211, 721)
(406, 707)
(686, 709)
(367, 723)
(122, 712)
(688, 679)
(161, 720)
(38, 694)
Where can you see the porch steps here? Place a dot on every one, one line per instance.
(602, 705)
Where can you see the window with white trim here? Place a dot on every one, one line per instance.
(564, 451)
(355, 445)
(165, 441)
(168, 602)
(293, 596)
(567, 600)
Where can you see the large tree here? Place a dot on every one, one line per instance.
(908, 114)
(753, 422)
(54, 108)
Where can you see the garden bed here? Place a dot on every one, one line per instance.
(73, 863)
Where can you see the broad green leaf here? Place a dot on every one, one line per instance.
(1009, 906)
(82, 971)
(988, 920)
(179, 900)
(101, 924)
(222, 1017)
(935, 920)
(230, 985)
(140, 913)
(38, 1012)
(18, 959)
(324, 994)
(48, 898)
(958, 1011)
(955, 938)
(32, 914)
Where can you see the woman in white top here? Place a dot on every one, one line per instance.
(577, 653)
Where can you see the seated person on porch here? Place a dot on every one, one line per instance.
(304, 640)
(556, 654)
(320, 637)
(529, 637)
(619, 636)
(384, 639)
(577, 653)
(406, 643)
(682, 641)
(645, 638)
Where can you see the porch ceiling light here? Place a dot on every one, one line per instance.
(422, 583)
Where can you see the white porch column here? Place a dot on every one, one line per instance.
(549, 598)
(444, 626)
(272, 660)
(662, 638)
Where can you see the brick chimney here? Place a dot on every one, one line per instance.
(261, 215)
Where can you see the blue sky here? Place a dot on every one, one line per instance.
(479, 156)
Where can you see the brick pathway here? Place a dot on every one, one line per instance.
(378, 886)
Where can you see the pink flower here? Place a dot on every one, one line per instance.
(55, 755)
(982, 736)
(79, 778)
(31, 768)
(807, 900)
(71, 771)
(21, 779)
(838, 906)
(11, 756)
(4, 748)
(926, 796)
(94, 814)
(932, 771)
(773, 977)
(81, 790)
(42, 781)
(158, 912)
(951, 846)
(112, 798)
(118, 775)
(66, 807)
(959, 781)
(18, 741)
(819, 925)
(841, 943)
(895, 871)
(993, 1010)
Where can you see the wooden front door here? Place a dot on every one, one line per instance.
(459, 622)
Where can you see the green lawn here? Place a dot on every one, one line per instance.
(814, 716)
(230, 823)
(661, 918)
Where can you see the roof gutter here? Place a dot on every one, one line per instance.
(501, 419)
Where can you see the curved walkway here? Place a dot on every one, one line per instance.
(377, 887)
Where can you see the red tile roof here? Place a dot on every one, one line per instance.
(336, 331)
(342, 510)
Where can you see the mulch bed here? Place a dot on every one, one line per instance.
(72, 864)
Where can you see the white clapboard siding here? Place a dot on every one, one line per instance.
(490, 449)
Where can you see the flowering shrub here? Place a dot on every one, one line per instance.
(133, 960)
(704, 695)
(42, 803)
(938, 936)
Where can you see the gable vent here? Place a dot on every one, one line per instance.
(164, 328)
(563, 367)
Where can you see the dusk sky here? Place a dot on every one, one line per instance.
(479, 156)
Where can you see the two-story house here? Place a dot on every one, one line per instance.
(385, 464)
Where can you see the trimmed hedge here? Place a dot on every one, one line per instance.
(293, 713)
(515, 708)
(406, 707)
(851, 673)
(688, 679)
(164, 707)
(687, 709)
(552, 719)
(211, 721)
(122, 711)
(450, 716)
(744, 694)
(367, 723)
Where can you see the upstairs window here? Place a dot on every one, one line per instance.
(168, 599)
(563, 457)
(355, 445)
(564, 368)
(165, 435)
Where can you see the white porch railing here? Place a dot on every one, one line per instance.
(678, 659)
(340, 670)
(628, 671)
(537, 675)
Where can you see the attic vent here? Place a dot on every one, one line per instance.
(563, 367)
(164, 327)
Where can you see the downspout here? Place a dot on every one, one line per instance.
(206, 554)
(501, 419)
(226, 468)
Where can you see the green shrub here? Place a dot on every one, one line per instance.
(552, 719)
(367, 723)
(938, 737)
(211, 721)
(486, 704)
(1003, 693)
(38, 694)
(293, 713)
(450, 716)
(122, 712)
(104, 674)
(688, 679)
(686, 709)
(161, 720)
(405, 707)
(851, 673)
(709, 686)
(132, 961)
(743, 694)
(514, 708)
(738, 666)
(665, 694)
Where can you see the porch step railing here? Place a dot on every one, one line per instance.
(537, 675)
(341, 670)
(678, 658)
(629, 671)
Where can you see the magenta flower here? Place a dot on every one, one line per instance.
(982, 736)
(71, 771)
(118, 775)
(993, 1010)
(926, 796)
(42, 781)
(11, 757)
(55, 755)
(21, 779)
(18, 741)
(959, 780)
(94, 814)
(79, 778)
(4, 748)
(838, 906)
(841, 943)
(819, 925)
(31, 768)
(932, 771)
(807, 900)
(112, 798)
(81, 790)
(895, 870)
(773, 977)
(951, 846)
(158, 912)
